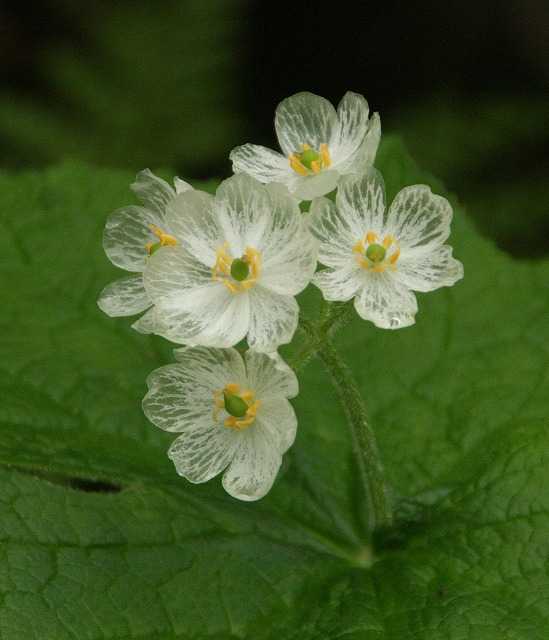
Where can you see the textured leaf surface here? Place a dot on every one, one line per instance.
(100, 539)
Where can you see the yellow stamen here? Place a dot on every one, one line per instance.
(297, 166)
(165, 239)
(305, 146)
(315, 166)
(394, 257)
(231, 421)
(371, 237)
(221, 271)
(325, 155)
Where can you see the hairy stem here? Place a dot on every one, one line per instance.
(362, 435)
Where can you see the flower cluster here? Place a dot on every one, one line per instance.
(213, 270)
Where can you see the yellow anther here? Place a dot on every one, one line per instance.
(247, 396)
(309, 161)
(381, 261)
(325, 155)
(297, 166)
(221, 271)
(164, 239)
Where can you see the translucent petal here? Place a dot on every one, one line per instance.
(338, 233)
(145, 324)
(338, 284)
(361, 200)
(365, 155)
(349, 131)
(126, 235)
(418, 217)
(261, 163)
(255, 464)
(180, 395)
(288, 252)
(181, 186)
(269, 376)
(273, 319)
(425, 270)
(154, 193)
(310, 187)
(278, 416)
(202, 453)
(190, 217)
(171, 273)
(205, 315)
(304, 118)
(242, 208)
(124, 297)
(385, 302)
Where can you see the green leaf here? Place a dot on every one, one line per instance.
(101, 539)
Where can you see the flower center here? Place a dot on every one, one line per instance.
(375, 256)
(237, 274)
(241, 406)
(164, 240)
(309, 161)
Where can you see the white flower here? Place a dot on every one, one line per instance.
(131, 235)
(380, 257)
(232, 413)
(247, 253)
(318, 145)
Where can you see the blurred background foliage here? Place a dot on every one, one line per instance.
(177, 84)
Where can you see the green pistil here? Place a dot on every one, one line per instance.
(240, 269)
(376, 253)
(234, 405)
(308, 157)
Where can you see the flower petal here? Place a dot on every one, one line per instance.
(424, 270)
(126, 235)
(310, 187)
(338, 284)
(365, 155)
(255, 464)
(304, 118)
(242, 208)
(181, 186)
(418, 217)
(145, 324)
(180, 396)
(362, 202)
(124, 297)
(288, 251)
(190, 217)
(385, 302)
(338, 233)
(202, 453)
(349, 132)
(154, 193)
(269, 376)
(278, 416)
(273, 319)
(261, 163)
(191, 307)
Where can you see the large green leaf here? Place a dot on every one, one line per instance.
(101, 539)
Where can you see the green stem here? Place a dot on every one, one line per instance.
(362, 435)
